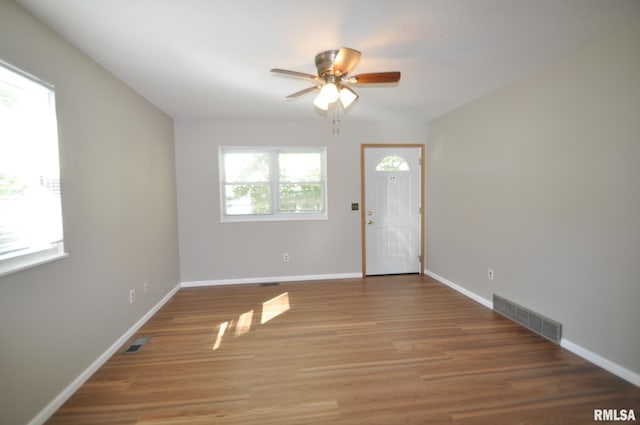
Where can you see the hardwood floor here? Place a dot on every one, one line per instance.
(393, 350)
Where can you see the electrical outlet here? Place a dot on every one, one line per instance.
(146, 287)
(285, 257)
(132, 296)
(490, 274)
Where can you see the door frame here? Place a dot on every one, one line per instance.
(363, 216)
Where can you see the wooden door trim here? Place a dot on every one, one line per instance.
(363, 202)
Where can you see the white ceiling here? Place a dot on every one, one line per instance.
(211, 58)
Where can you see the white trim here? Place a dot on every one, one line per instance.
(24, 262)
(477, 298)
(606, 364)
(254, 280)
(251, 218)
(28, 76)
(598, 360)
(61, 398)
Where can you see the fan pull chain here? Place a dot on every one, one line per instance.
(336, 121)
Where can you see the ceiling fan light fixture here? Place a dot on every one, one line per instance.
(347, 97)
(320, 103)
(329, 93)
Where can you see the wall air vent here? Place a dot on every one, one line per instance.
(533, 321)
(137, 344)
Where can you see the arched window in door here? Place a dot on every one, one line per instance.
(392, 163)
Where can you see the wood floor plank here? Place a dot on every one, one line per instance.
(385, 350)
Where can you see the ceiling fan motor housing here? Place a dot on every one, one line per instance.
(325, 61)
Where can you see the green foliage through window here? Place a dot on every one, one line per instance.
(11, 186)
(392, 163)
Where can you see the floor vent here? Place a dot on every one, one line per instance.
(539, 324)
(137, 344)
(270, 284)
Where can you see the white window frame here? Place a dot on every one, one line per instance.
(275, 214)
(44, 252)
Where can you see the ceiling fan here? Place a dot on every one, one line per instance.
(333, 78)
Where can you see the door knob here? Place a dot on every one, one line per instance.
(370, 222)
(369, 212)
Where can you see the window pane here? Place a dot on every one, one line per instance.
(392, 163)
(272, 183)
(296, 197)
(246, 167)
(300, 166)
(30, 207)
(241, 199)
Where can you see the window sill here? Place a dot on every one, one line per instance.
(266, 218)
(24, 262)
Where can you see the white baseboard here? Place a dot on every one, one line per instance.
(61, 398)
(477, 298)
(604, 363)
(586, 354)
(254, 280)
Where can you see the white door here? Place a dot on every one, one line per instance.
(392, 210)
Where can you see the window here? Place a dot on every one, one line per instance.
(30, 207)
(392, 163)
(272, 183)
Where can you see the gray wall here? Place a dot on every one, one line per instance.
(540, 181)
(120, 222)
(210, 250)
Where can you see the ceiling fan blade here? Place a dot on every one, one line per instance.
(295, 73)
(375, 78)
(345, 61)
(301, 92)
